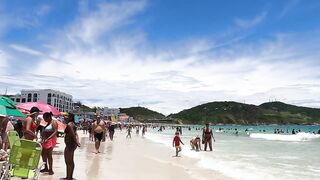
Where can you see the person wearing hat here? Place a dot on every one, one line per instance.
(207, 136)
(31, 124)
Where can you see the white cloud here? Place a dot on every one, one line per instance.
(105, 18)
(43, 10)
(24, 49)
(249, 23)
(3, 60)
(122, 70)
(288, 7)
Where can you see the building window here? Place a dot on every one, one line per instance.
(49, 98)
(35, 97)
(18, 100)
(23, 100)
(29, 97)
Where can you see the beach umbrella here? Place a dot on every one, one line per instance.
(7, 108)
(44, 107)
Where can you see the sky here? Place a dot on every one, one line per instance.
(162, 54)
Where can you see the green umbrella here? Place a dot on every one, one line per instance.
(7, 107)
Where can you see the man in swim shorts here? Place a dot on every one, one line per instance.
(98, 129)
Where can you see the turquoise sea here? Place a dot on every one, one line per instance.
(253, 152)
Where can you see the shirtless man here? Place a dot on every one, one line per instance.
(98, 130)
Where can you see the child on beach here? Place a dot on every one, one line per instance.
(176, 143)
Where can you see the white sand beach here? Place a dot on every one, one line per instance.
(136, 159)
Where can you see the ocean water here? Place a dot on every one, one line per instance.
(257, 153)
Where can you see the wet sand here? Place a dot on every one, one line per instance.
(123, 159)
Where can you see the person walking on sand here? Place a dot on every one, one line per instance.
(207, 136)
(111, 131)
(98, 129)
(176, 143)
(49, 141)
(129, 132)
(71, 140)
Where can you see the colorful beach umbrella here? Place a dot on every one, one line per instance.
(44, 107)
(7, 108)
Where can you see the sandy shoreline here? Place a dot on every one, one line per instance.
(137, 158)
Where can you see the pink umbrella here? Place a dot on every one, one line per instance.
(44, 107)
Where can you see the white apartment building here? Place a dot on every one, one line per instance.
(60, 100)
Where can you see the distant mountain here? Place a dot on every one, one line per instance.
(141, 113)
(84, 107)
(239, 113)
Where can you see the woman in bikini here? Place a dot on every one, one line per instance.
(207, 136)
(71, 140)
(49, 141)
(31, 124)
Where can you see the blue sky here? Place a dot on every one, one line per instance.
(163, 54)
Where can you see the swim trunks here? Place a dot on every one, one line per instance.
(98, 136)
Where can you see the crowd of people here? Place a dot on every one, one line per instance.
(195, 142)
(31, 129)
(97, 130)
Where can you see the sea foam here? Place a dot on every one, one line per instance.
(283, 137)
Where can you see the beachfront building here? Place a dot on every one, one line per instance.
(60, 100)
(105, 111)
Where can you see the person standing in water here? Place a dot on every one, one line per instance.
(71, 140)
(176, 143)
(49, 141)
(207, 136)
(144, 129)
(98, 129)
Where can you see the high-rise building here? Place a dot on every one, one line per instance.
(60, 100)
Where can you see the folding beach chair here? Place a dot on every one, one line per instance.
(24, 160)
(13, 136)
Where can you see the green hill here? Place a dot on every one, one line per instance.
(141, 113)
(239, 113)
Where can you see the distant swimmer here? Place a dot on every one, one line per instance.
(319, 131)
(176, 143)
(207, 136)
(293, 131)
